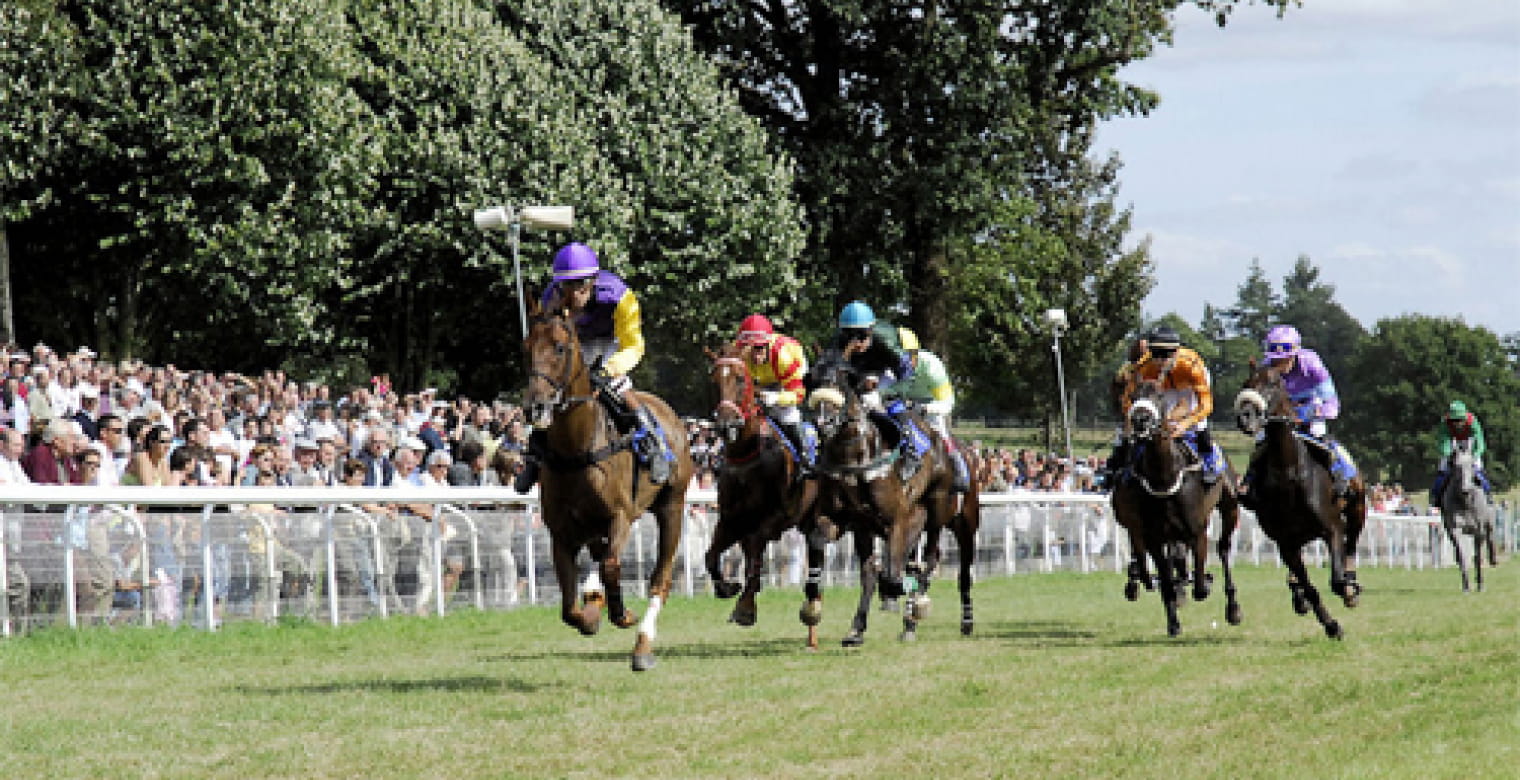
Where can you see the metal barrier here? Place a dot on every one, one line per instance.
(202, 556)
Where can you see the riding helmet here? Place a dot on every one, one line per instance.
(1282, 341)
(755, 329)
(1457, 411)
(575, 261)
(857, 314)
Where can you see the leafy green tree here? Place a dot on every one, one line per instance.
(1401, 380)
(1309, 305)
(201, 184)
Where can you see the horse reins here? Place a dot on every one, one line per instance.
(562, 400)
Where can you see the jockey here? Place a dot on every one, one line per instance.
(872, 350)
(777, 364)
(607, 322)
(1184, 381)
(928, 385)
(1312, 392)
(1461, 425)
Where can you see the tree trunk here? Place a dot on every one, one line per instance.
(7, 319)
(928, 303)
(126, 338)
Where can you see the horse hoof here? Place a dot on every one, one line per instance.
(625, 620)
(966, 626)
(852, 639)
(1333, 630)
(811, 613)
(1174, 630)
(1232, 614)
(643, 662)
(1300, 604)
(908, 636)
(746, 618)
(1351, 599)
(724, 589)
(1132, 590)
(1200, 593)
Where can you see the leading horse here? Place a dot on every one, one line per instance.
(1295, 495)
(863, 490)
(592, 488)
(761, 492)
(1465, 508)
(1165, 505)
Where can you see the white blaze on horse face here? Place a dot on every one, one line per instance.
(1250, 400)
(1143, 414)
(651, 615)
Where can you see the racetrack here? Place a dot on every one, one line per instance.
(1062, 679)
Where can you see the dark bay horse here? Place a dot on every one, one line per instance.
(862, 490)
(1465, 508)
(592, 489)
(1295, 495)
(1166, 506)
(760, 490)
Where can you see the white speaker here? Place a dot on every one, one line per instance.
(547, 217)
(493, 218)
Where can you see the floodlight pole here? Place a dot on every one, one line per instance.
(514, 235)
(1061, 387)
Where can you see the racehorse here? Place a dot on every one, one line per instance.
(760, 490)
(1166, 506)
(1465, 507)
(1295, 495)
(592, 488)
(862, 490)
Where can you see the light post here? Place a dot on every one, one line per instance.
(1055, 319)
(513, 221)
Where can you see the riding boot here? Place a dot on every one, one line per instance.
(1437, 489)
(794, 434)
(1206, 454)
(652, 448)
(528, 476)
(962, 481)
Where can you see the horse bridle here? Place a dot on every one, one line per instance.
(573, 364)
(745, 407)
(1151, 410)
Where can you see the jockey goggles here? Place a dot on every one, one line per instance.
(1281, 347)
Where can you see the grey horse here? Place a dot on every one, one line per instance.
(1465, 507)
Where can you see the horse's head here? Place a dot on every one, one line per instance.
(1146, 410)
(830, 392)
(556, 376)
(735, 388)
(1262, 399)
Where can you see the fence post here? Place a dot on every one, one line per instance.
(208, 571)
(331, 553)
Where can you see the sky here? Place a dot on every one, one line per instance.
(1380, 138)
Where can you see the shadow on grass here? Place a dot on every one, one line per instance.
(475, 682)
(1056, 633)
(747, 648)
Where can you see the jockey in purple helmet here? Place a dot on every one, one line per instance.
(609, 326)
(1312, 392)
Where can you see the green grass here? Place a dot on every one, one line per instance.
(1062, 679)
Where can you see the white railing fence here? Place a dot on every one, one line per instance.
(202, 556)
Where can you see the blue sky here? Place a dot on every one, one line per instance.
(1379, 137)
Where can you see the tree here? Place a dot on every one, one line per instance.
(1310, 306)
(1401, 380)
(203, 177)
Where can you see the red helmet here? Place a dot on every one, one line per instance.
(755, 329)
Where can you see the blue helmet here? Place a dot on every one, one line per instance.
(857, 315)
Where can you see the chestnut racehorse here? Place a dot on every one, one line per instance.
(761, 492)
(592, 489)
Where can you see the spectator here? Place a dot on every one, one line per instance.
(52, 462)
(305, 472)
(89, 411)
(472, 470)
(12, 450)
(150, 465)
(39, 402)
(322, 425)
(379, 470)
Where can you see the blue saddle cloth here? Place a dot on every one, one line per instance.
(809, 440)
(1341, 465)
(914, 437)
